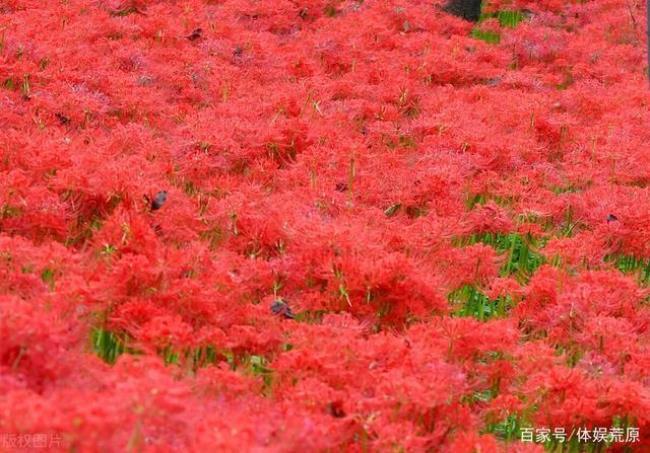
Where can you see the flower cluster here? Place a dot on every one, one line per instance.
(323, 225)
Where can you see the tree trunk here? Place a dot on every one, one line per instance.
(467, 9)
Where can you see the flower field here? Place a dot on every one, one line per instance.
(324, 226)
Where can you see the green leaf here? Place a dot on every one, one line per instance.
(489, 37)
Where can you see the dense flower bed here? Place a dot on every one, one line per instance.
(383, 228)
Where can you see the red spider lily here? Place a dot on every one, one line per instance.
(452, 217)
